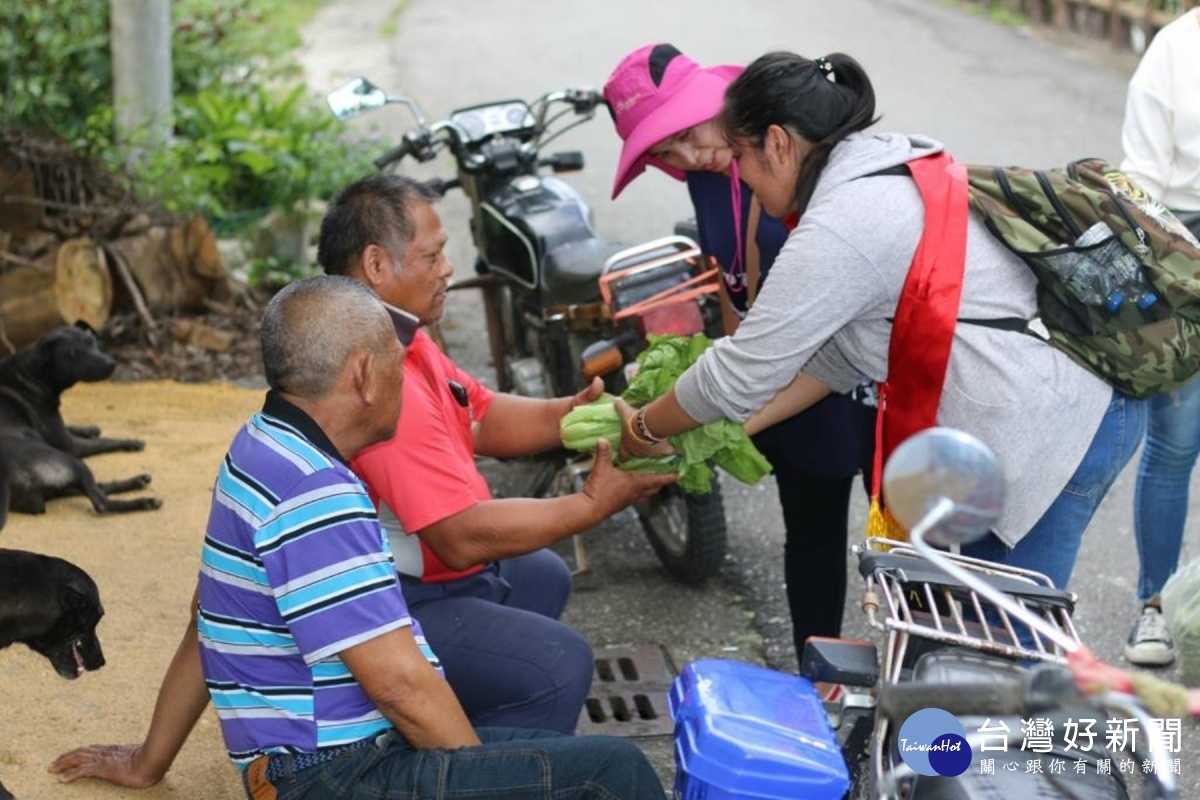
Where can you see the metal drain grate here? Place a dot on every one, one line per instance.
(629, 693)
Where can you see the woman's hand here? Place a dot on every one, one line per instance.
(633, 445)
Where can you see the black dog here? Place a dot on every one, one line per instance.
(53, 606)
(39, 452)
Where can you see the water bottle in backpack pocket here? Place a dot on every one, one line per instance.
(1099, 271)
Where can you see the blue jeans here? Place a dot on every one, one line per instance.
(512, 764)
(1160, 498)
(1052, 544)
(511, 663)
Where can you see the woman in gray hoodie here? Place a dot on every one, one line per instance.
(823, 319)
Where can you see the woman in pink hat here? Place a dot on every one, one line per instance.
(664, 106)
(824, 320)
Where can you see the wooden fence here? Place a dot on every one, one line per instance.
(1126, 24)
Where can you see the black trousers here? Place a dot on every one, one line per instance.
(815, 512)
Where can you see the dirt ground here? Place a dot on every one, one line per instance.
(145, 566)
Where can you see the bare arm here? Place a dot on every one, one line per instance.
(182, 698)
(498, 529)
(523, 426)
(408, 691)
(802, 393)
(665, 417)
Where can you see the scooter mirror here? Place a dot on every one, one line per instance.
(355, 96)
(938, 465)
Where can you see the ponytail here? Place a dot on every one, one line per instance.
(823, 101)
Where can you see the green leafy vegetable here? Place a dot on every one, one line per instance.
(723, 442)
(582, 427)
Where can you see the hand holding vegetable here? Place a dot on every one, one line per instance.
(723, 442)
(613, 489)
(630, 445)
(589, 394)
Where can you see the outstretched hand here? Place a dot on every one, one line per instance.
(613, 489)
(589, 393)
(115, 763)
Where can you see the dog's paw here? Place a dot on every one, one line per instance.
(133, 445)
(154, 503)
(140, 481)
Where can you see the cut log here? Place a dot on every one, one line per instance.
(69, 283)
(175, 268)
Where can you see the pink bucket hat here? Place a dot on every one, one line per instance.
(656, 92)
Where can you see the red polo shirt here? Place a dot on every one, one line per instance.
(426, 472)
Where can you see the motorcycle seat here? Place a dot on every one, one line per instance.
(907, 569)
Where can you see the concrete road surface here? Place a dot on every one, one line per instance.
(992, 93)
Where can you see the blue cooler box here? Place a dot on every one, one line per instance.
(743, 732)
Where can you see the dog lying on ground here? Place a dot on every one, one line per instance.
(41, 454)
(52, 606)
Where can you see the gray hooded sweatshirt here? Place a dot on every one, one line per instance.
(825, 306)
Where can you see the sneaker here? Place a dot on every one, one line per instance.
(1150, 643)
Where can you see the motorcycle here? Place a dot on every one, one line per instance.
(562, 304)
(978, 651)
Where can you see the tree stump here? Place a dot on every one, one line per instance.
(70, 282)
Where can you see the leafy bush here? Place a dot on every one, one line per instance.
(241, 151)
(248, 136)
(61, 64)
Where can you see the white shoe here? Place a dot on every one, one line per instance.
(1150, 643)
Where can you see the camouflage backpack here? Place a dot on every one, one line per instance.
(1118, 274)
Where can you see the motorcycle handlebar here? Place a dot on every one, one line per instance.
(1043, 688)
(901, 700)
(392, 156)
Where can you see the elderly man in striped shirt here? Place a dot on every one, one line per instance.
(323, 682)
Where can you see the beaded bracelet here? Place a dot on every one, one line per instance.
(643, 432)
(631, 429)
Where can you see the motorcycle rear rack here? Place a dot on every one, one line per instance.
(635, 262)
(950, 613)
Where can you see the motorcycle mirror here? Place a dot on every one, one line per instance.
(355, 96)
(948, 474)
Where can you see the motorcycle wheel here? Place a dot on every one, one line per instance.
(687, 531)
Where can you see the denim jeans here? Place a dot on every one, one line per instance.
(1160, 498)
(1052, 544)
(511, 663)
(515, 764)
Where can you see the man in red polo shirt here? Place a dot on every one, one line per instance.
(474, 569)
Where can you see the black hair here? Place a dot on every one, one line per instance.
(821, 100)
(377, 209)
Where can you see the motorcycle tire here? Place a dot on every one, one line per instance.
(687, 531)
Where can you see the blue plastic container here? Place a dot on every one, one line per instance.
(743, 732)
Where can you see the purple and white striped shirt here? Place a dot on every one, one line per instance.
(295, 569)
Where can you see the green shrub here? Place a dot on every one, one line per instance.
(247, 137)
(240, 151)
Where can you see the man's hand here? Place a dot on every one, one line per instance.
(587, 395)
(116, 763)
(612, 489)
